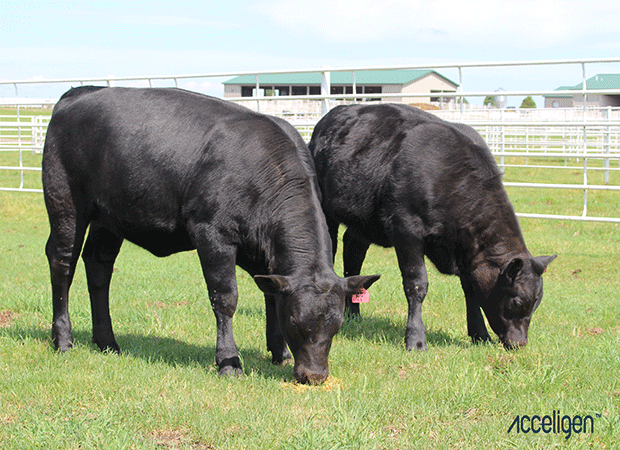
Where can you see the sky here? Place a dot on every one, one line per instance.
(72, 39)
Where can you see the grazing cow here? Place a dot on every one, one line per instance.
(172, 170)
(399, 177)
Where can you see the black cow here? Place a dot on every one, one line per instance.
(172, 170)
(398, 176)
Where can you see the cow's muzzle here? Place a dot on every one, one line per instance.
(304, 375)
(514, 344)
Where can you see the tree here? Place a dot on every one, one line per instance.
(528, 102)
(489, 100)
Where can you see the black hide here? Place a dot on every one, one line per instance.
(172, 170)
(399, 177)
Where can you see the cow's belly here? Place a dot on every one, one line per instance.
(158, 241)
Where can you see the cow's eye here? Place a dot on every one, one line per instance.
(517, 304)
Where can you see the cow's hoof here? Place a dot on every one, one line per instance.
(230, 367)
(230, 371)
(278, 358)
(62, 341)
(110, 348)
(64, 346)
(416, 344)
(107, 345)
(485, 339)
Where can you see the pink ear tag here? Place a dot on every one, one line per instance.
(361, 297)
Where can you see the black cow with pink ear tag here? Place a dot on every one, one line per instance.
(172, 170)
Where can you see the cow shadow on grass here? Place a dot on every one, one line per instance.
(380, 330)
(164, 350)
(176, 352)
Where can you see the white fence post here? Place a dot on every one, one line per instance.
(585, 144)
(325, 90)
(607, 146)
(502, 166)
(461, 91)
(257, 94)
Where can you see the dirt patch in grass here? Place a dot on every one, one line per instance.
(6, 318)
(331, 384)
(176, 439)
(593, 331)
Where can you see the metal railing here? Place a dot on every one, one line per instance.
(516, 138)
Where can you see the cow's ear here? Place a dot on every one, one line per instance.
(540, 263)
(355, 283)
(510, 272)
(272, 284)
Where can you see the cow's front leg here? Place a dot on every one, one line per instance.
(476, 328)
(218, 268)
(415, 283)
(275, 339)
(353, 254)
(100, 252)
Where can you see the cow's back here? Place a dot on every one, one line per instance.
(147, 162)
(353, 149)
(381, 163)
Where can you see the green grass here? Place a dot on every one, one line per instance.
(163, 392)
(13, 178)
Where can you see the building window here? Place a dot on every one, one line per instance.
(441, 99)
(282, 90)
(315, 90)
(372, 90)
(246, 91)
(335, 90)
(299, 90)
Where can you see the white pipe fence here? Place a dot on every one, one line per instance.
(535, 139)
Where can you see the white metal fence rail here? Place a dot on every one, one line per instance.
(20, 135)
(575, 135)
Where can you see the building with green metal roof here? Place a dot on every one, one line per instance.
(598, 82)
(364, 82)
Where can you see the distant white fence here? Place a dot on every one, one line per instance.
(574, 135)
(21, 134)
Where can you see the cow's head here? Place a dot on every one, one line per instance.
(514, 298)
(310, 314)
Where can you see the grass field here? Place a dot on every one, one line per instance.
(163, 392)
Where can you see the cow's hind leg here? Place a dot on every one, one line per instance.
(410, 255)
(100, 252)
(332, 226)
(218, 267)
(353, 254)
(63, 250)
(476, 328)
(275, 339)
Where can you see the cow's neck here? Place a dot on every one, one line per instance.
(488, 244)
(301, 245)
